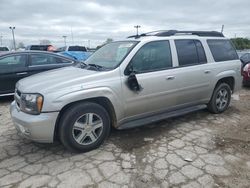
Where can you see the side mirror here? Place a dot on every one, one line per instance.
(132, 83)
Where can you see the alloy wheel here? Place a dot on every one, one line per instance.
(222, 99)
(87, 129)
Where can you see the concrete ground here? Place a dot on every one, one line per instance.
(196, 150)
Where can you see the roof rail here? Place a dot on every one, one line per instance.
(165, 33)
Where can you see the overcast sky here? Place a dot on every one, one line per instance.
(97, 20)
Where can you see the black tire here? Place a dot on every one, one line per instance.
(69, 118)
(213, 105)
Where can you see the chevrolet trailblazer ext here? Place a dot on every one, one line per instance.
(125, 84)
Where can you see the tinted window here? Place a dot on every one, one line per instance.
(39, 47)
(4, 49)
(190, 52)
(45, 59)
(58, 60)
(12, 62)
(200, 51)
(77, 48)
(61, 49)
(222, 50)
(152, 56)
(39, 59)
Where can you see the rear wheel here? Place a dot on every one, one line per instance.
(221, 99)
(84, 127)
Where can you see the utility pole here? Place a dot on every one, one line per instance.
(137, 27)
(13, 35)
(222, 28)
(89, 43)
(64, 38)
(1, 38)
(72, 37)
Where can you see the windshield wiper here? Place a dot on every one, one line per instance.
(98, 67)
(83, 64)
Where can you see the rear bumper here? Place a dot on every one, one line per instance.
(39, 128)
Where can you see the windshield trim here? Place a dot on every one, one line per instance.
(118, 64)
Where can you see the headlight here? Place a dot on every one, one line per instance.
(31, 103)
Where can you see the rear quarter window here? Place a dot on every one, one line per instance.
(222, 50)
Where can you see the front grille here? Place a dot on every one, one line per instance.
(17, 97)
(18, 93)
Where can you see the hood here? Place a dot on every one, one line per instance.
(55, 80)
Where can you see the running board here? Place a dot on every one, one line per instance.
(159, 117)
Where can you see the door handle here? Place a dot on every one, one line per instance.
(21, 73)
(170, 78)
(207, 71)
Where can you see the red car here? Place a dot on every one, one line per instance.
(245, 59)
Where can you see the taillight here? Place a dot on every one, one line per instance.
(246, 68)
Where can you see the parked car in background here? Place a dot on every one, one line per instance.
(78, 52)
(17, 65)
(41, 47)
(73, 48)
(4, 49)
(245, 60)
(127, 84)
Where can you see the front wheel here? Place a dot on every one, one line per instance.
(221, 99)
(84, 127)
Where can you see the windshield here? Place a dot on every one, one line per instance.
(111, 55)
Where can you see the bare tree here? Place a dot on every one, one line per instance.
(20, 45)
(108, 40)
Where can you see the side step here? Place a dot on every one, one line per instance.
(151, 119)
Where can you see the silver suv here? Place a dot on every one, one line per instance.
(126, 84)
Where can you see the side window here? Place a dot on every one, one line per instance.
(152, 56)
(200, 51)
(12, 62)
(222, 50)
(39, 59)
(58, 60)
(190, 52)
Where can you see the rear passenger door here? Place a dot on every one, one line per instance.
(192, 74)
(39, 62)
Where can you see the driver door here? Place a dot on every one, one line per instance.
(152, 65)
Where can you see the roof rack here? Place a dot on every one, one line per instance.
(165, 33)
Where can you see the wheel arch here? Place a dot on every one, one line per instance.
(228, 80)
(103, 101)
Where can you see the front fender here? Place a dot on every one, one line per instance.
(58, 103)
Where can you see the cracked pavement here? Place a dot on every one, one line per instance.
(196, 150)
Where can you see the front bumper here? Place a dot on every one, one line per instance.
(39, 128)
